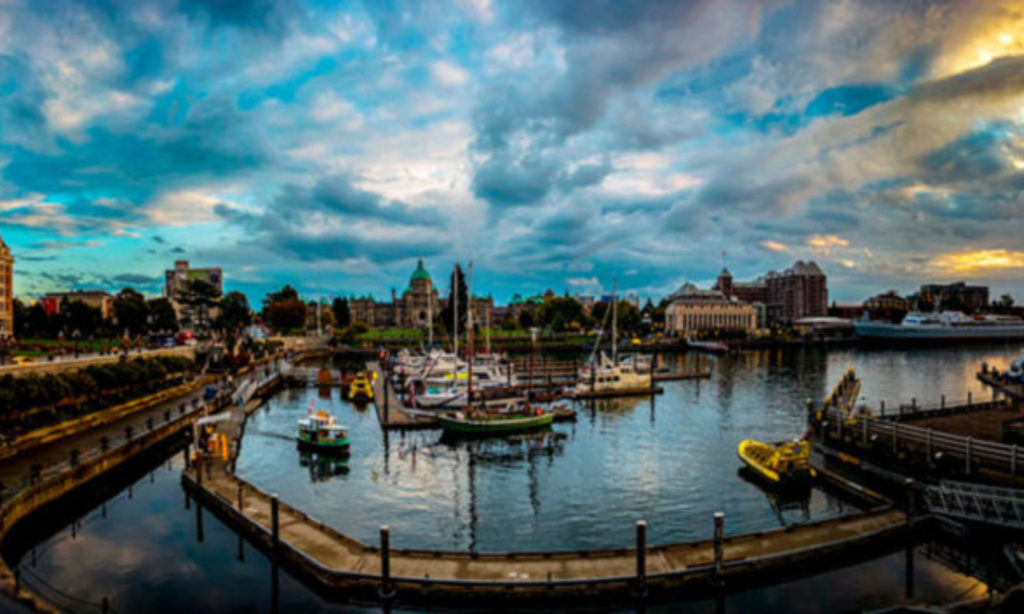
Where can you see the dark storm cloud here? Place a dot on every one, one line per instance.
(284, 226)
(134, 279)
(973, 157)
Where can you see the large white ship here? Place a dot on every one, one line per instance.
(942, 327)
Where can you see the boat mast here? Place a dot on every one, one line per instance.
(430, 316)
(487, 330)
(469, 335)
(455, 311)
(615, 322)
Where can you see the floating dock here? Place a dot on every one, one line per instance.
(338, 564)
(390, 408)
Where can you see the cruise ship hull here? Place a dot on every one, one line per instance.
(892, 334)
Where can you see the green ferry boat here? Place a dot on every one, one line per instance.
(321, 433)
(486, 422)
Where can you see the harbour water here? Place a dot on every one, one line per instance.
(582, 485)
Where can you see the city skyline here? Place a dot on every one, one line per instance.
(556, 147)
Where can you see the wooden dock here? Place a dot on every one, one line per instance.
(390, 408)
(338, 564)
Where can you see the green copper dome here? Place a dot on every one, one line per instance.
(420, 274)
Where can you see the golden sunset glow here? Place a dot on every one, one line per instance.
(979, 260)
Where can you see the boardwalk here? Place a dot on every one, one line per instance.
(390, 409)
(339, 561)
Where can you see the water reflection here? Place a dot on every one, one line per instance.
(323, 467)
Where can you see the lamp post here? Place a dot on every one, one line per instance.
(76, 335)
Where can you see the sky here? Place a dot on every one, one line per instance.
(555, 143)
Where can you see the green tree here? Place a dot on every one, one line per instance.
(163, 318)
(80, 317)
(201, 296)
(234, 311)
(561, 313)
(342, 314)
(131, 312)
(456, 285)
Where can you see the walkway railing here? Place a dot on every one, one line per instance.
(974, 452)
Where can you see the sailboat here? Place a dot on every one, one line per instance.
(608, 376)
(475, 420)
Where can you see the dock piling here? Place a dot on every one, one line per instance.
(882, 407)
(641, 556)
(274, 525)
(719, 538)
(942, 402)
(969, 400)
(385, 562)
(909, 554)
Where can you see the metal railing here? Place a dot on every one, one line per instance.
(967, 501)
(973, 451)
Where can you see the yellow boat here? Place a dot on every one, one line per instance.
(360, 390)
(786, 464)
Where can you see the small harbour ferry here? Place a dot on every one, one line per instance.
(514, 417)
(319, 431)
(783, 465)
(361, 388)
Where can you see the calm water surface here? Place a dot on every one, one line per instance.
(582, 485)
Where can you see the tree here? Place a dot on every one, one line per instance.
(342, 314)
(561, 314)
(234, 311)
(39, 323)
(80, 317)
(284, 310)
(163, 318)
(201, 296)
(20, 314)
(131, 312)
(456, 285)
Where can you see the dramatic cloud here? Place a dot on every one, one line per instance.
(557, 143)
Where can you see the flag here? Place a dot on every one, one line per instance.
(311, 403)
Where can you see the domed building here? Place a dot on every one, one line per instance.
(6, 290)
(419, 302)
(411, 310)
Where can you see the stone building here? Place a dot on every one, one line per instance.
(6, 290)
(798, 292)
(693, 310)
(411, 310)
(958, 296)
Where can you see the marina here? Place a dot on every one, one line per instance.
(421, 453)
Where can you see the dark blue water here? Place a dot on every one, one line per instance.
(582, 486)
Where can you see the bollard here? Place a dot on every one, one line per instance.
(274, 520)
(385, 562)
(719, 538)
(239, 496)
(641, 556)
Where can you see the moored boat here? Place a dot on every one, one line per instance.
(361, 388)
(320, 431)
(783, 465)
(942, 327)
(712, 347)
(512, 418)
